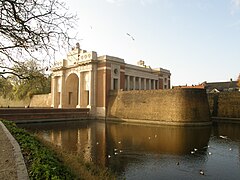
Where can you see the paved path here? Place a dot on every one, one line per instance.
(12, 165)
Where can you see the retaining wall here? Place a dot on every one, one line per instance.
(14, 103)
(180, 106)
(41, 100)
(225, 104)
(23, 115)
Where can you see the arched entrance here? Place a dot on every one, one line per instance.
(72, 91)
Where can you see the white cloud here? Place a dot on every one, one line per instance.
(236, 6)
(236, 2)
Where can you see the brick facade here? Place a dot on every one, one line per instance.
(83, 80)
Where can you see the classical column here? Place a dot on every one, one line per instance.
(150, 84)
(128, 83)
(134, 82)
(139, 83)
(53, 91)
(154, 84)
(95, 85)
(144, 84)
(79, 91)
(62, 94)
(91, 89)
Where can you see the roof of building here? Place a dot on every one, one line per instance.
(200, 86)
(220, 86)
(214, 86)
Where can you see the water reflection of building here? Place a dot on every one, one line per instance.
(88, 141)
(173, 140)
(56, 137)
(96, 141)
(137, 142)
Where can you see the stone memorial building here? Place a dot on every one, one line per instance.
(84, 79)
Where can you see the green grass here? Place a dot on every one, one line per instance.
(40, 161)
(82, 169)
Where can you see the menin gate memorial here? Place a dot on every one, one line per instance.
(84, 79)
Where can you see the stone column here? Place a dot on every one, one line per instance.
(154, 84)
(79, 91)
(134, 83)
(139, 83)
(62, 94)
(144, 84)
(95, 85)
(91, 89)
(150, 84)
(53, 91)
(128, 83)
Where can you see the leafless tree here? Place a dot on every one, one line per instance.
(32, 29)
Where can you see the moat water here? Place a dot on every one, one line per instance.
(149, 151)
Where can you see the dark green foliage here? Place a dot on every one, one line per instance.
(35, 82)
(36, 85)
(5, 88)
(41, 162)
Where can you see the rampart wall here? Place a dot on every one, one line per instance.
(14, 103)
(225, 104)
(41, 100)
(177, 106)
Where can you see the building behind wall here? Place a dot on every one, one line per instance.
(83, 80)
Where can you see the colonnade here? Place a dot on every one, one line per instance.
(139, 83)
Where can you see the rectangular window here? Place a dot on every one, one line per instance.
(165, 80)
(126, 83)
(87, 97)
(115, 84)
(69, 97)
(156, 84)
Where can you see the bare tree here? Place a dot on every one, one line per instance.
(32, 29)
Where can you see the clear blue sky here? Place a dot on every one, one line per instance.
(197, 40)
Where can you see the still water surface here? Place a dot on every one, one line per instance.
(151, 152)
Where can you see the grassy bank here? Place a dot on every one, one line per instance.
(46, 161)
(82, 169)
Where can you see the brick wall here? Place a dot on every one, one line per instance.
(175, 105)
(225, 104)
(41, 100)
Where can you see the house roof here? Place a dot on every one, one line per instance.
(220, 86)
